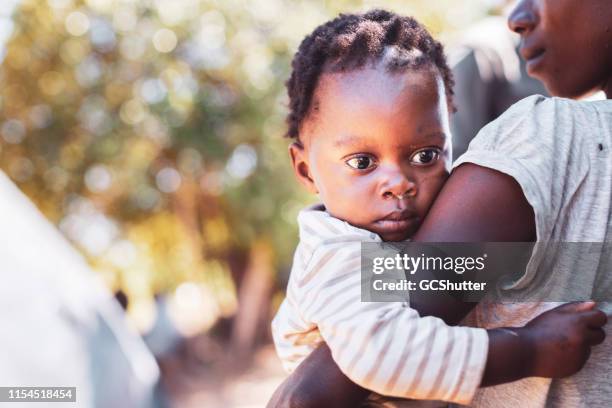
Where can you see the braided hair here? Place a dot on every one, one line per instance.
(350, 41)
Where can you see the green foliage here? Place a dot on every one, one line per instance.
(150, 132)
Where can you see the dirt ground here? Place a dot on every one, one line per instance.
(229, 387)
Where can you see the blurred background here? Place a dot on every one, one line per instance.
(150, 133)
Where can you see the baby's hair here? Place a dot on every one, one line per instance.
(350, 41)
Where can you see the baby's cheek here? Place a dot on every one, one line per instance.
(355, 204)
(339, 200)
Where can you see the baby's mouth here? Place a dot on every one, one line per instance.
(396, 222)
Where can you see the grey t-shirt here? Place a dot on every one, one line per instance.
(558, 150)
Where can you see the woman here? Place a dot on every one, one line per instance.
(543, 171)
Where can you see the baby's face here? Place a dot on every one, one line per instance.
(376, 147)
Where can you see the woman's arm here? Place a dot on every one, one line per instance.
(316, 383)
(477, 204)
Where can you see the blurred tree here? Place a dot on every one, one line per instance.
(150, 132)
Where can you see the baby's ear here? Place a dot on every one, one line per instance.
(301, 168)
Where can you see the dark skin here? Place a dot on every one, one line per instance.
(576, 39)
(567, 44)
(376, 150)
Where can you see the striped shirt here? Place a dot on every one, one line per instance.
(385, 347)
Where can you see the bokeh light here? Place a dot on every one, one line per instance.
(151, 132)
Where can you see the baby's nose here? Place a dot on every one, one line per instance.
(399, 186)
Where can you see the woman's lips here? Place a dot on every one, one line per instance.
(533, 57)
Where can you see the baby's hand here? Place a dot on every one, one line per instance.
(562, 338)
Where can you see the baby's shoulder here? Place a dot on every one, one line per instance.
(328, 246)
(318, 228)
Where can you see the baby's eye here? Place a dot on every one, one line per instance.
(425, 156)
(360, 162)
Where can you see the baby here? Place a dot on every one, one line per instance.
(370, 97)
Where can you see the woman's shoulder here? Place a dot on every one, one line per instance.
(558, 110)
(547, 120)
(537, 105)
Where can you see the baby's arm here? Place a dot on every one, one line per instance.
(387, 347)
(556, 343)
